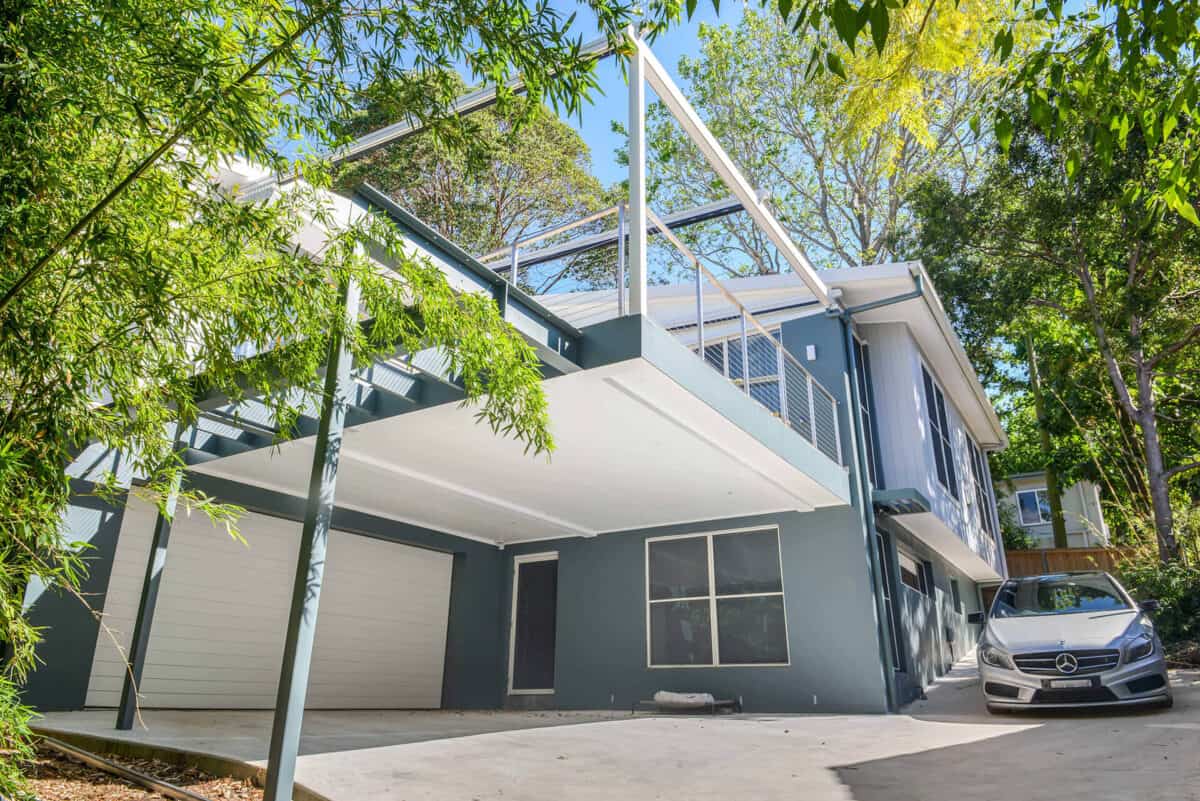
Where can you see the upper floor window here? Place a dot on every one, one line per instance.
(716, 599)
(862, 358)
(939, 429)
(984, 500)
(1034, 506)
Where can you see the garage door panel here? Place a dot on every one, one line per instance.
(387, 610)
(223, 608)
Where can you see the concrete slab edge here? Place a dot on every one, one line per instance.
(209, 763)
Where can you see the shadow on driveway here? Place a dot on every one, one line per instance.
(1076, 755)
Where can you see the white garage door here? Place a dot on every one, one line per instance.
(217, 640)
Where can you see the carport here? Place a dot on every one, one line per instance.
(629, 406)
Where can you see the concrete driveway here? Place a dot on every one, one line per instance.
(944, 748)
(1097, 755)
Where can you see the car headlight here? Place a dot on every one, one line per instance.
(995, 657)
(1139, 647)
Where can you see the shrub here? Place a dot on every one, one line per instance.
(1176, 586)
(1015, 536)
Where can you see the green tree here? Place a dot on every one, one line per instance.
(837, 165)
(127, 265)
(515, 171)
(1084, 251)
(1090, 76)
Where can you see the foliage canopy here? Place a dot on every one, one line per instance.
(129, 261)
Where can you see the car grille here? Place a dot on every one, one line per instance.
(1090, 662)
(1081, 695)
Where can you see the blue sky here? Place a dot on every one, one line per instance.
(595, 121)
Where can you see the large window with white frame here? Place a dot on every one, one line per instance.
(1034, 507)
(940, 436)
(715, 599)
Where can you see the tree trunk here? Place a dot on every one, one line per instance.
(1058, 523)
(1160, 490)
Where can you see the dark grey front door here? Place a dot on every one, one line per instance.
(533, 633)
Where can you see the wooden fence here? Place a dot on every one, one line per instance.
(1061, 560)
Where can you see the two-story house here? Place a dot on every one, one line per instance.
(773, 489)
(680, 538)
(1027, 504)
(925, 425)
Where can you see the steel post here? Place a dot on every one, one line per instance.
(310, 567)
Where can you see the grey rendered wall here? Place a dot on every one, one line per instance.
(829, 367)
(60, 681)
(933, 631)
(601, 659)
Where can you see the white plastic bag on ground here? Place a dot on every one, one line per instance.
(683, 700)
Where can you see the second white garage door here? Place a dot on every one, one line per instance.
(217, 640)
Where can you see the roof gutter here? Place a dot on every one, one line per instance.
(918, 291)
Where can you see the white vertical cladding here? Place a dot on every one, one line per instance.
(905, 438)
(904, 453)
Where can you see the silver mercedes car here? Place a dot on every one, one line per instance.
(1069, 640)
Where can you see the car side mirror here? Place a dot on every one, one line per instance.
(1151, 605)
(978, 618)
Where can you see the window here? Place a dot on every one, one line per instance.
(1061, 594)
(1034, 506)
(954, 593)
(725, 356)
(885, 561)
(985, 499)
(939, 430)
(912, 573)
(862, 358)
(715, 599)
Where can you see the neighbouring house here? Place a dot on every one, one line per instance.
(772, 488)
(1027, 504)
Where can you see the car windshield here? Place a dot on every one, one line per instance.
(1058, 595)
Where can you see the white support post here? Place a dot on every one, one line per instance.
(621, 259)
(637, 176)
(649, 68)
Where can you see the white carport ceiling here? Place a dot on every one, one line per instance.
(634, 449)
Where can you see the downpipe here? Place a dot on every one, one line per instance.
(862, 477)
